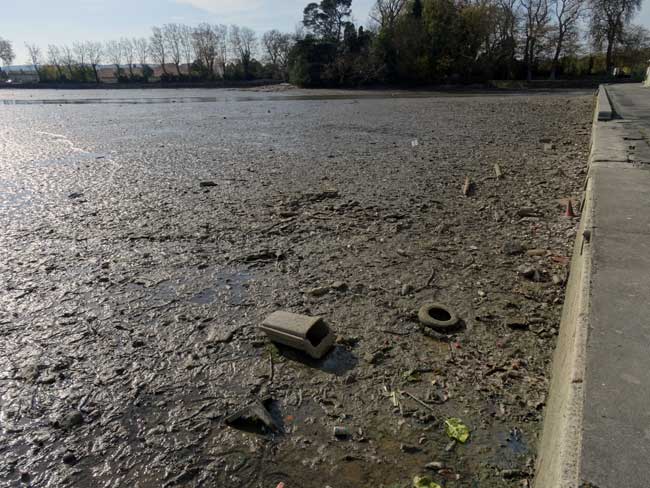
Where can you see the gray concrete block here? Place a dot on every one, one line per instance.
(309, 334)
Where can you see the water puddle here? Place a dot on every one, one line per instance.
(10, 196)
(231, 286)
(205, 297)
(513, 449)
(222, 99)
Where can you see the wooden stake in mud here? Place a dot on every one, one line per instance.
(497, 171)
(467, 187)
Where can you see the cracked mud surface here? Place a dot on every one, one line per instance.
(131, 291)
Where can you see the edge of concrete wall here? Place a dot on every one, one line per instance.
(604, 108)
(558, 461)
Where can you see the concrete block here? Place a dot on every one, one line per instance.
(309, 334)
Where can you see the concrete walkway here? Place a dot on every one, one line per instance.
(597, 429)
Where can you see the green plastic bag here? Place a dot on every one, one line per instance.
(419, 482)
(457, 430)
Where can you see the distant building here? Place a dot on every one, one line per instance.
(21, 74)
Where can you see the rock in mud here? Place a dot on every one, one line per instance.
(69, 458)
(71, 420)
(513, 248)
(526, 271)
(527, 212)
(517, 323)
(319, 291)
(339, 286)
(341, 433)
(406, 290)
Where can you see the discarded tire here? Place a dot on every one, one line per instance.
(438, 317)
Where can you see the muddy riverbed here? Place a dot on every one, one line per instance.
(143, 243)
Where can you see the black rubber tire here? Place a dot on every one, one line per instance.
(442, 325)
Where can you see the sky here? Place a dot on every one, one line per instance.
(46, 22)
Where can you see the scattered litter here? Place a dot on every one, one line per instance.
(527, 212)
(254, 416)
(263, 255)
(517, 323)
(406, 290)
(207, 184)
(309, 334)
(467, 187)
(280, 485)
(435, 465)
(339, 286)
(409, 449)
(569, 210)
(513, 248)
(341, 433)
(511, 474)
(416, 399)
(424, 482)
(497, 172)
(457, 430)
(438, 317)
(536, 252)
(549, 147)
(74, 196)
(319, 292)
(415, 143)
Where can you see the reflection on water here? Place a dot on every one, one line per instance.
(230, 285)
(259, 98)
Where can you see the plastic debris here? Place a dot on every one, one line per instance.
(569, 210)
(424, 482)
(457, 430)
(341, 432)
(415, 143)
(254, 416)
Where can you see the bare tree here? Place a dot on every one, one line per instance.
(6, 51)
(141, 46)
(567, 14)
(608, 21)
(386, 12)
(188, 54)
(277, 46)
(173, 41)
(69, 60)
(35, 57)
(243, 42)
(129, 53)
(221, 33)
(158, 48)
(54, 58)
(115, 55)
(536, 20)
(79, 49)
(204, 39)
(95, 51)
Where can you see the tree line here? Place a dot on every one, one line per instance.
(466, 41)
(206, 52)
(406, 42)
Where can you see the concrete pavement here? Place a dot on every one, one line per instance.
(597, 428)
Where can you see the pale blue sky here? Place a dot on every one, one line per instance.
(63, 21)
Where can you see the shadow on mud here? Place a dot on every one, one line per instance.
(338, 361)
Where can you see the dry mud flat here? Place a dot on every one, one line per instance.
(132, 292)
